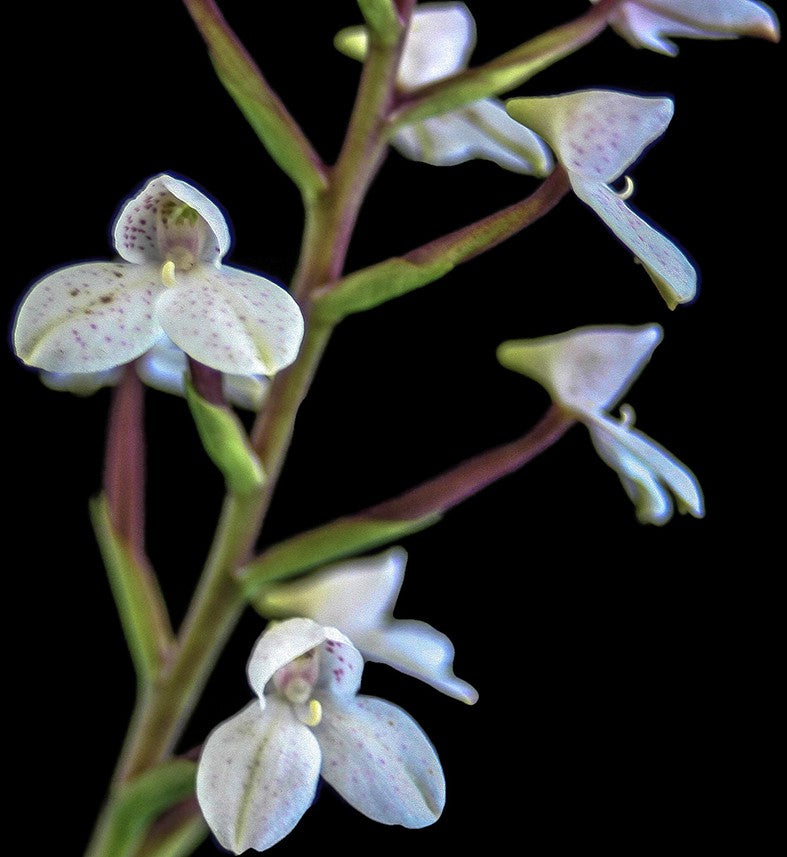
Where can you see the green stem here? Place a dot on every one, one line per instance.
(165, 706)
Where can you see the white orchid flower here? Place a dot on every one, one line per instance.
(439, 41)
(586, 372)
(358, 597)
(169, 281)
(650, 23)
(596, 134)
(259, 770)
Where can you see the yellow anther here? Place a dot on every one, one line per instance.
(315, 713)
(628, 189)
(627, 416)
(168, 273)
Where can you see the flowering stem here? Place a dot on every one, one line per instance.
(165, 706)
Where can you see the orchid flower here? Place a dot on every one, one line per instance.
(596, 134)
(587, 371)
(170, 281)
(259, 770)
(439, 41)
(650, 23)
(358, 598)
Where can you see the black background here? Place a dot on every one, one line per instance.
(625, 672)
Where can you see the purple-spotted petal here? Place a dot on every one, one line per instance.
(439, 42)
(340, 667)
(381, 762)
(595, 133)
(480, 130)
(280, 644)
(232, 320)
(155, 220)
(88, 318)
(673, 274)
(257, 776)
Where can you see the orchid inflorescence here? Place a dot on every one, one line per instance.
(169, 312)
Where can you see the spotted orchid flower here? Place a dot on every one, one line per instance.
(586, 372)
(650, 23)
(169, 282)
(358, 597)
(259, 770)
(596, 134)
(439, 41)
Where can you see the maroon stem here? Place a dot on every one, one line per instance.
(447, 490)
(124, 465)
(207, 382)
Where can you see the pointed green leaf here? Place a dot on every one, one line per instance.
(140, 604)
(226, 443)
(279, 132)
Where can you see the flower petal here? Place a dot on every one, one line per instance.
(257, 776)
(481, 130)
(80, 383)
(418, 650)
(341, 667)
(279, 644)
(596, 133)
(644, 467)
(353, 595)
(587, 369)
(673, 274)
(88, 318)
(380, 761)
(439, 43)
(232, 320)
(357, 597)
(650, 23)
(137, 228)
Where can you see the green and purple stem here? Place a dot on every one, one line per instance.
(174, 671)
